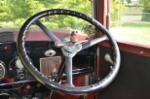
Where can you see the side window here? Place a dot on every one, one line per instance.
(130, 21)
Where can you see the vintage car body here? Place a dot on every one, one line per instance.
(89, 66)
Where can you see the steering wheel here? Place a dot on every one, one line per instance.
(68, 52)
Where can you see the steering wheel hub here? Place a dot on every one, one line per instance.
(71, 50)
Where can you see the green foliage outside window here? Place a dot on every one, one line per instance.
(13, 13)
(146, 12)
(116, 12)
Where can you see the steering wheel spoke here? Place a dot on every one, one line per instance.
(68, 68)
(50, 34)
(93, 42)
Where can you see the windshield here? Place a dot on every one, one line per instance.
(13, 13)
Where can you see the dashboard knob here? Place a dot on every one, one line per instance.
(19, 65)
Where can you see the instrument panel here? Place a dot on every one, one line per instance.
(12, 71)
(14, 77)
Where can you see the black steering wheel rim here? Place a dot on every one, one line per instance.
(42, 78)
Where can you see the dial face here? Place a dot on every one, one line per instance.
(2, 70)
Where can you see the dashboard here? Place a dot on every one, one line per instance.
(16, 82)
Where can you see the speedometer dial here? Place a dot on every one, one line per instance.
(2, 70)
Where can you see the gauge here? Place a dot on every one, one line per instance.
(50, 52)
(2, 70)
